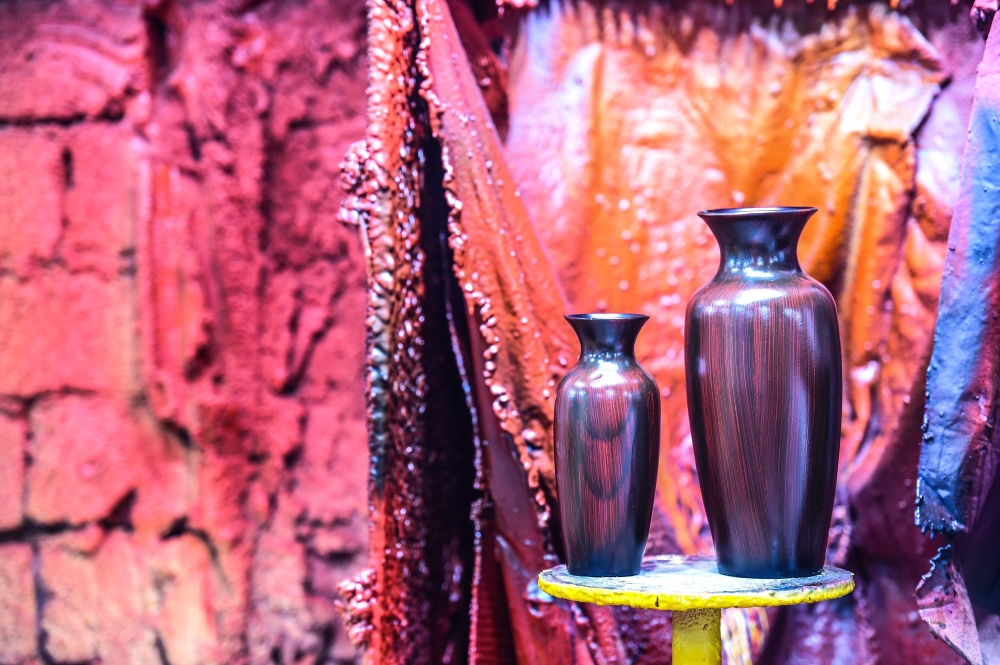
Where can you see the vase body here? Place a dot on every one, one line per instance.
(607, 446)
(763, 373)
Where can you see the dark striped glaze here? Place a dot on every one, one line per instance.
(762, 359)
(607, 441)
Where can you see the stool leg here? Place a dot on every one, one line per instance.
(697, 637)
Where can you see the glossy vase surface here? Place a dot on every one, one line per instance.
(607, 445)
(763, 372)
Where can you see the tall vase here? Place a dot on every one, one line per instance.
(607, 444)
(762, 356)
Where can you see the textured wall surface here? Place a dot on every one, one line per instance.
(182, 446)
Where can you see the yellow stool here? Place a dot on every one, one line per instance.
(693, 588)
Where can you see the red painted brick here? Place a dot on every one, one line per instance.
(71, 612)
(163, 494)
(18, 610)
(31, 184)
(102, 199)
(188, 595)
(66, 331)
(63, 60)
(86, 456)
(96, 591)
(12, 439)
(110, 596)
(122, 584)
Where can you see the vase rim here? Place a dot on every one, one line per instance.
(605, 316)
(752, 212)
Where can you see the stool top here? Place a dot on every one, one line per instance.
(691, 583)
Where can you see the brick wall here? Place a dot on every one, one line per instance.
(182, 447)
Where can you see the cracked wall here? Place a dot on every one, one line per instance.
(182, 445)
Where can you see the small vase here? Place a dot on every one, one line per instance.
(762, 357)
(607, 445)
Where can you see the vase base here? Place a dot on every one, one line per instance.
(602, 571)
(768, 572)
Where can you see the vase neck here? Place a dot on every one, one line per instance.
(758, 240)
(606, 334)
